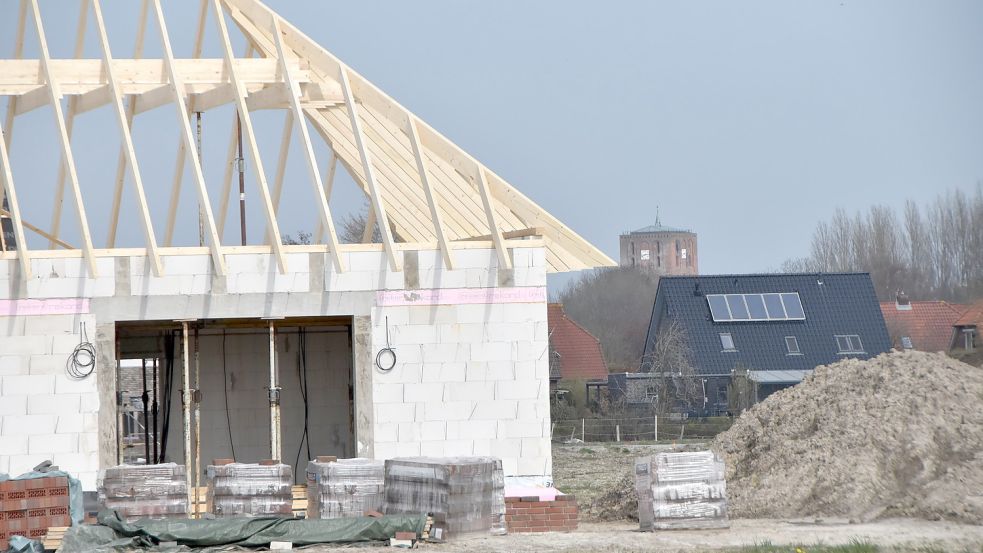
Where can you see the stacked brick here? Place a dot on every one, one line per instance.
(532, 514)
(681, 491)
(463, 494)
(29, 507)
(344, 488)
(250, 490)
(145, 491)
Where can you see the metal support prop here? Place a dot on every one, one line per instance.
(274, 399)
(146, 410)
(186, 408)
(196, 397)
(154, 412)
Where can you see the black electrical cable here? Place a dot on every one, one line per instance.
(225, 387)
(302, 376)
(168, 390)
(82, 361)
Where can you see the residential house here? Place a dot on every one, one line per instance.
(771, 328)
(575, 356)
(921, 325)
(965, 336)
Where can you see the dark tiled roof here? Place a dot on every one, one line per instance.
(927, 323)
(834, 304)
(579, 352)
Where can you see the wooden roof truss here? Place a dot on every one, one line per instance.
(422, 188)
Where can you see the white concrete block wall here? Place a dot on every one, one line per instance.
(471, 378)
(44, 413)
(479, 371)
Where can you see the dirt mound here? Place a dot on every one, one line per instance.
(897, 435)
(618, 503)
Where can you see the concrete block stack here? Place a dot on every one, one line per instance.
(145, 491)
(681, 491)
(250, 490)
(342, 488)
(29, 507)
(463, 494)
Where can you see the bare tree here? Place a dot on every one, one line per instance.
(669, 360)
(615, 305)
(930, 253)
(301, 238)
(353, 227)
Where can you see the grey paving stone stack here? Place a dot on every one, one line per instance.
(681, 491)
(465, 494)
(249, 490)
(344, 487)
(145, 491)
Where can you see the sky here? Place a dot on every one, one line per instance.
(747, 122)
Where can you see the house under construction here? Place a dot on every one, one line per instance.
(119, 342)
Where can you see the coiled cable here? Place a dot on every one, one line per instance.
(82, 361)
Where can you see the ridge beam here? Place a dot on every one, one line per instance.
(66, 145)
(305, 137)
(273, 229)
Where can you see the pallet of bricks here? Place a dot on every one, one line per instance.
(29, 507)
(681, 491)
(464, 495)
(250, 490)
(342, 488)
(145, 491)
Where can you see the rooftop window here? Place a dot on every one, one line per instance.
(792, 345)
(849, 343)
(727, 341)
(906, 342)
(784, 306)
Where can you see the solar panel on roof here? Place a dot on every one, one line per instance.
(785, 306)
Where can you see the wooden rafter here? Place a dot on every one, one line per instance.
(273, 229)
(421, 166)
(7, 190)
(66, 147)
(69, 123)
(326, 220)
(328, 185)
(130, 113)
(496, 228)
(214, 243)
(127, 140)
(379, 208)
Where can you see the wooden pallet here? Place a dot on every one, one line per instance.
(52, 540)
(299, 492)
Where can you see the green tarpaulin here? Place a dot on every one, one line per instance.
(114, 534)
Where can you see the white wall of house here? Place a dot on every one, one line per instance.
(471, 376)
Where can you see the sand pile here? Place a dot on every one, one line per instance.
(897, 435)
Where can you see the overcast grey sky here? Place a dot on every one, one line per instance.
(745, 121)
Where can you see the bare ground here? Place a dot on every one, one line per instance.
(898, 535)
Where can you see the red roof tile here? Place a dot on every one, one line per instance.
(972, 315)
(580, 352)
(927, 323)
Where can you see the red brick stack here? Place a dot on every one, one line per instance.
(531, 514)
(29, 507)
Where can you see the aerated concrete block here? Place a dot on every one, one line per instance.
(13, 405)
(27, 425)
(51, 404)
(34, 384)
(49, 444)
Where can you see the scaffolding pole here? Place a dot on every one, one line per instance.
(275, 438)
(186, 408)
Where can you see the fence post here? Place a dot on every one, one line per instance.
(617, 432)
(583, 430)
(656, 426)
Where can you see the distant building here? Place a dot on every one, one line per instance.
(666, 250)
(921, 325)
(966, 330)
(772, 329)
(575, 354)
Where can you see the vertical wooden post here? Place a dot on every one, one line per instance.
(186, 411)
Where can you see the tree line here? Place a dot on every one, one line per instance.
(933, 252)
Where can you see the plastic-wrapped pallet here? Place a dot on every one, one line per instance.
(465, 494)
(344, 487)
(145, 491)
(681, 491)
(248, 490)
